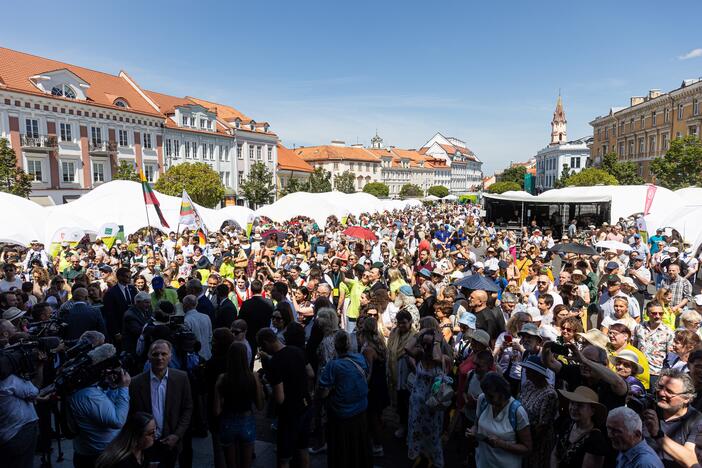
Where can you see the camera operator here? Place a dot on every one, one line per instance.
(672, 427)
(18, 418)
(98, 414)
(158, 328)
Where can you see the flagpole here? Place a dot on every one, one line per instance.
(151, 232)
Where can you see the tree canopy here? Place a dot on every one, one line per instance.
(258, 188)
(681, 166)
(126, 171)
(320, 181)
(501, 187)
(438, 191)
(345, 182)
(200, 181)
(12, 178)
(626, 173)
(411, 190)
(565, 173)
(294, 185)
(377, 189)
(590, 176)
(513, 174)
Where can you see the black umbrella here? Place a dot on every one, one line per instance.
(477, 282)
(571, 247)
(274, 232)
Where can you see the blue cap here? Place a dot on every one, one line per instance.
(424, 272)
(157, 282)
(278, 249)
(611, 266)
(406, 290)
(637, 236)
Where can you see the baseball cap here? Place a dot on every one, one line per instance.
(612, 266)
(157, 282)
(478, 265)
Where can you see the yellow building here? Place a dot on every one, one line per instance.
(641, 132)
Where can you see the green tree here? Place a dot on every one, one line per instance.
(438, 191)
(320, 181)
(513, 174)
(377, 189)
(12, 178)
(590, 176)
(626, 173)
(258, 187)
(294, 185)
(345, 182)
(410, 190)
(501, 187)
(200, 181)
(565, 173)
(681, 166)
(126, 171)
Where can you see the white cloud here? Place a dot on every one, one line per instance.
(694, 53)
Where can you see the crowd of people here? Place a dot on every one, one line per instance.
(427, 324)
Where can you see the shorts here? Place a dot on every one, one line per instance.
(238, 428)
(293, 433)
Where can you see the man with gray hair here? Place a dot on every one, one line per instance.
(625, 433)
(81, 317)
(204, 305)
(507, 304)
(673, 435)
(199, 324)
(134, 320)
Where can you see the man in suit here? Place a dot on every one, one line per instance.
(165, 393)
(116, 301)
(204, 305)
(134, 320)
(256, 312)
(226, 309)
(81, 317)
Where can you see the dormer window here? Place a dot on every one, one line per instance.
(237, 123)
(252, 125)
(266, 127)
(121, 103)
(63, 90)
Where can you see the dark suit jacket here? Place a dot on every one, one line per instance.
(256, 312)
(225, 315)
(179, 403)
(114, 307)
(204, 305)
(132, 325)
(81, 318)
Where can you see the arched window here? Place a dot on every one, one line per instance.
(121, 103)
(63, 90)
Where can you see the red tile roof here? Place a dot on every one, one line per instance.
(331, 152)
(289, 161)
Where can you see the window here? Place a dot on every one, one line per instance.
(631, 124)
(225, 152)
(614, 130)
(631, 148)
(258, 153)
(642, 122)
(239, 151)
(692, 130)
(606, 133)
(666, 115)
(599, 133)
(98, 172)
(32, 128)
(225, 178)
(187, 150)
(664, 142)
(185, 120)
(96, 135)
(147, 140)
(68, 171)
(121, 103)
(209, 124)
(65, 130)
(575, 162)
(34, 170)
(270, 154)
(695, 107)
(251, 152)
(169, 146)
(149, 171)
(336, 166)
(241, 177)
(621, 149)
(351, 167)
(193, 149)
(205, 149)
(651, 145)
(63, 90)
(212, 151)
(176, 148)
(653, 118)
(680, 111)
(642, 148)
(123, 137)
(202, 123)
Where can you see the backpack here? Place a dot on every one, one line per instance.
(513, 407)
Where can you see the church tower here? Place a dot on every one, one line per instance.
(376, 141)
(558, 124)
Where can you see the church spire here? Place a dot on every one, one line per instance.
(558, 124)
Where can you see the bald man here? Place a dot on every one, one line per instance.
(82, 316)
(485, 318)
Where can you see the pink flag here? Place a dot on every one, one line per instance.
(650, 193)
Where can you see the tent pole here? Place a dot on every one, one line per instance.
(521, 219)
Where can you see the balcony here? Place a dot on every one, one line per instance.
(103, 147)
(42, 142)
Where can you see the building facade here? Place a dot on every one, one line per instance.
(642, 131)
(560, 153)
(466, 173)
(338, 158)
(71, 127)
(290, 166)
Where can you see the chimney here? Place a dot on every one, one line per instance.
(654, 93)
(636, 100)
(338, 143)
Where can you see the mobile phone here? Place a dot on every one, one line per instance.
(559, 349)
(508, 338)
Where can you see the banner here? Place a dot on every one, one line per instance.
(650, 193)
(189, 216)
(108, 234)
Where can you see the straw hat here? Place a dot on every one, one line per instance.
(481, 336)
(13, 313)
(578, 273)
(534, 363)
(584, 394)
(595, 338)
(629, 356)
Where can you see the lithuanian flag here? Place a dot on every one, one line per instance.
(150, 198)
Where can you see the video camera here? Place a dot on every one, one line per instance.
(22, 357)
(51, 327)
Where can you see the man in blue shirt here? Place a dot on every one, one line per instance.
(99, 415)
(653, 241)
(624, 429)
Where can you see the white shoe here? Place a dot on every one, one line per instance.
(378, 451)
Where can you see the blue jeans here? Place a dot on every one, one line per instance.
(237, 428)
(350, 325)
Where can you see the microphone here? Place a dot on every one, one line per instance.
(102, 353)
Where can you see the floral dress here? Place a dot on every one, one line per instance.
(425, 424)
(541, 405)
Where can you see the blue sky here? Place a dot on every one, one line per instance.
(485, 72)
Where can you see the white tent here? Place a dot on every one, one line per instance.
(450, 198)
(431, 198)
(22, 220)
(316, 206)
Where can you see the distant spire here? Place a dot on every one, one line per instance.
(558, 124)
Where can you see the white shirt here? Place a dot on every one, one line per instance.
(158, 400)
(7, 285)
(201, 326)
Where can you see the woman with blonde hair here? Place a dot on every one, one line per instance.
(40, 282)
(621, 315)
(395, 282)
(664, 296)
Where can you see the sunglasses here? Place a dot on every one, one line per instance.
(566, 329)
(542, 282)
(236, 332)
(277, 317)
